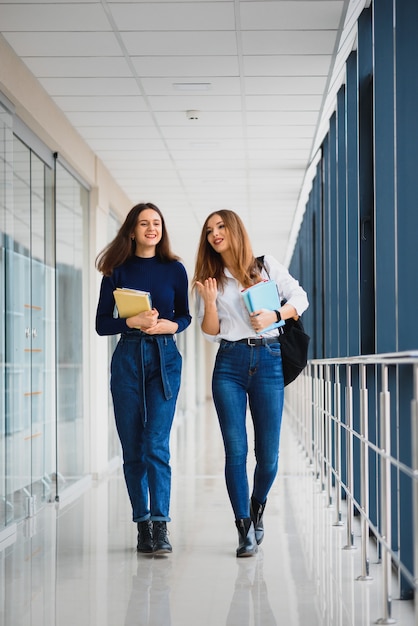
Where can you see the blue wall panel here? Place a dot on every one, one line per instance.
(353, 220)
(406, 93)
(341, 234)
(366, 194)
(384, 178)
(332, 242)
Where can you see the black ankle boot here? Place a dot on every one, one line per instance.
(161, 542)
(256, 512)
(145, 542)
(247, 545)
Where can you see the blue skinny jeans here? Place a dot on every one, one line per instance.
(244, 372)
(145, 381)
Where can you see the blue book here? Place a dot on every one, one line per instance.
(263, 295)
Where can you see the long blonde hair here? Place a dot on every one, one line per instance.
(209, 263)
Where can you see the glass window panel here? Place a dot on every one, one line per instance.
(71, 208)
(6, 184)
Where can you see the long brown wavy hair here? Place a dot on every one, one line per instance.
(122, 247)
(209, 263)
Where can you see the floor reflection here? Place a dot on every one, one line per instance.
(250, 602)
(149, 603)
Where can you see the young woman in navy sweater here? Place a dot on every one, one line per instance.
(146, 364)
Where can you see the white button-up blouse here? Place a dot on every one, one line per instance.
(233, 316)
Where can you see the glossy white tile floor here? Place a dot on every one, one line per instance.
(76, 564)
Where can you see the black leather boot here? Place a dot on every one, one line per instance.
(161, 542)
(145, 542)
(256, 512)
(247, 545)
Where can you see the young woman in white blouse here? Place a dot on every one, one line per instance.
(248, 364)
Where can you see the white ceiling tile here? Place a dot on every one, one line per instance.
(160, 16)
(291, 15)
(285, 85)
(287, 65)
(195, 102)
(281, 162)
(114, 146)
(91, 86)
(120, 132)
(186, 66)
(27, 44)
(289, 155)
(68, 16)
(193, 132)
(138, 154)
(273, 143)
(170, 176)
(218, 168)
(89, 118)
(206, 156)
(288, 42)
(283, 103)
(153, 189)
(91, 67)
(180, 43)
(277, 118)
(277, 132)
(202, 145)
(140, 171)
(274, 177)
(119, 104)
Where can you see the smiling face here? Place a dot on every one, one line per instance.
(217, 235)
(148, 232)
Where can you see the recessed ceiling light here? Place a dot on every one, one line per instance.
(192, 86)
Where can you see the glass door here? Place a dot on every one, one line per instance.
(29, 336)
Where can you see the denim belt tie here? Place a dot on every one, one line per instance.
(161, 341)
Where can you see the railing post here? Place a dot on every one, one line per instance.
(364, 473)
(414, 433)
(321, 414)
(337, 446)
(349, 448)
(315, 434)
(328, 433)
(385, 498)
(310, 381)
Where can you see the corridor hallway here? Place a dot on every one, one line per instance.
(75, 563)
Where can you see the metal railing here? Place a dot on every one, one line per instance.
(357, 421)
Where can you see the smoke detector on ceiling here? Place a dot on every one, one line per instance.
(192, 115)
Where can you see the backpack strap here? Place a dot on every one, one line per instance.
(261, 265)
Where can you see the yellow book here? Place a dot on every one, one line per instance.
(130, 302)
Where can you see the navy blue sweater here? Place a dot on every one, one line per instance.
(166, 282)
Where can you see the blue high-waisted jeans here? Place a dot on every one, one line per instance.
(243, 371)
(145, 381)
